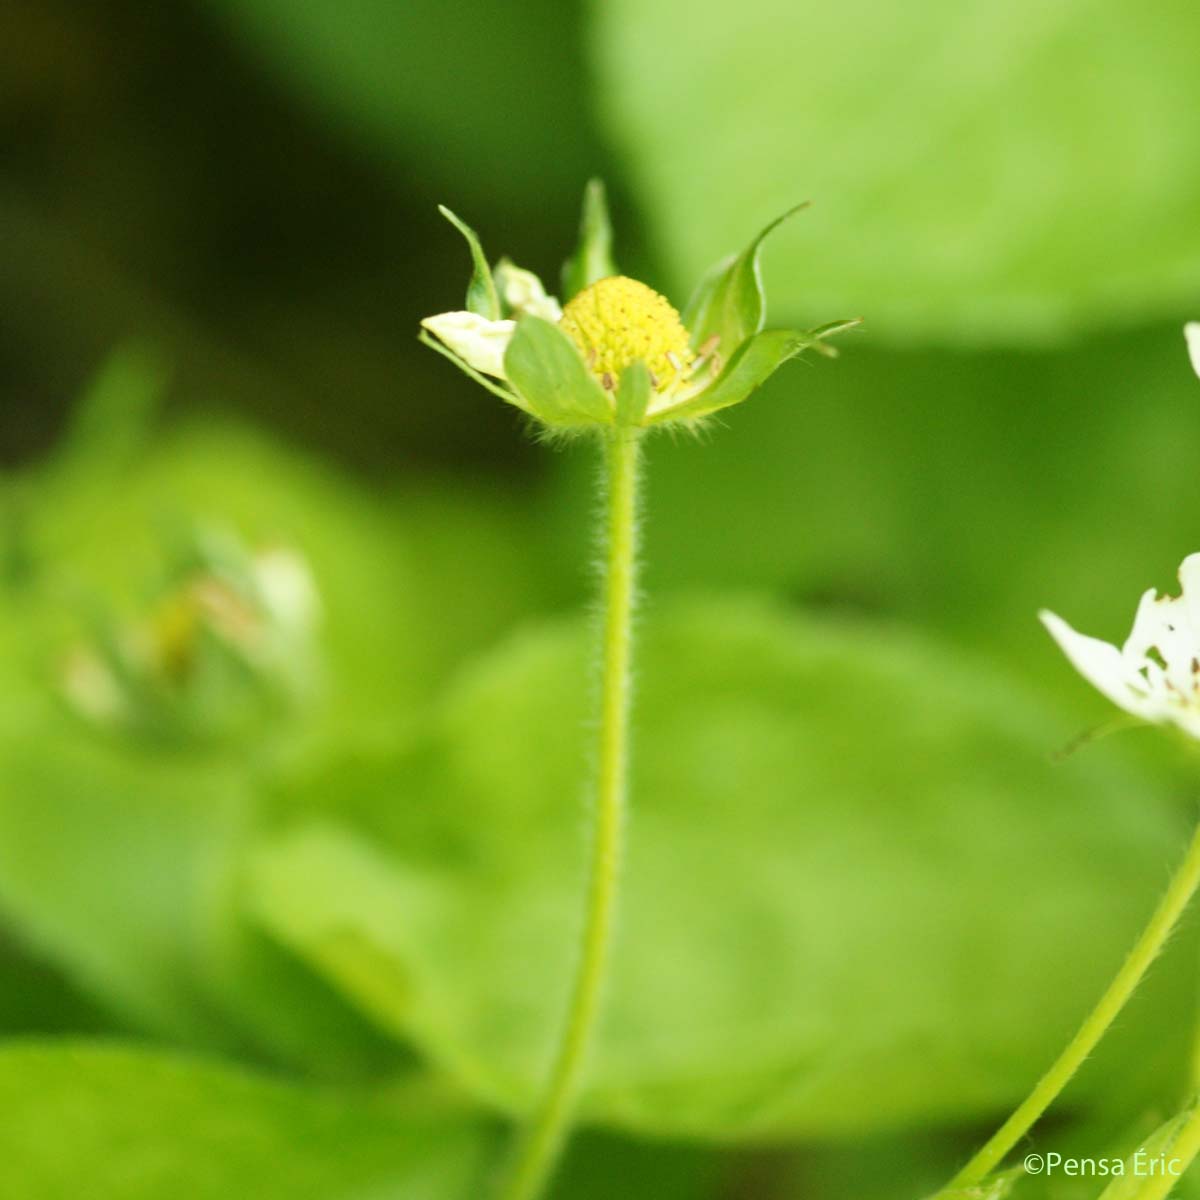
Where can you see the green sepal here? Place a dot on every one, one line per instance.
(505, 394)
(633, 395)
(823, 333)
(543, 364)
(754, 363)
(728, 302)
(592, 259)
(482, 297)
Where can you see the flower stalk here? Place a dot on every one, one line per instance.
(1155, 936)
(612, 361)
(549, 1124)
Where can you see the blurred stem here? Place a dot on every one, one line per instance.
(1149, 946)
(549, 1124)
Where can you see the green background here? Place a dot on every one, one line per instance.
(319, 952)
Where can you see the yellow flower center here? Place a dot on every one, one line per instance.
(617, 321)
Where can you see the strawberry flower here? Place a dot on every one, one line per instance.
(616, 353)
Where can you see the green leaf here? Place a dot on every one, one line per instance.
(728, 302)
(962, 194)
(38, 1000)
(849, 856)
(753, 364)
(110, 871)
(118, 1123)
(633, 394)
(122, 869)
(592, 259)
(543, 364)
(482, 297)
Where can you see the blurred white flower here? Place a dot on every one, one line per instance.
(1155, 675)
(228, 630)
(1191, 331)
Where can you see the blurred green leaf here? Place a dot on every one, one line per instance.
(103, 868)
(379, 68)
(115, 1123)
(857, 892)
(37, 999)
(477, 564)
(122, 869)
(981, 173)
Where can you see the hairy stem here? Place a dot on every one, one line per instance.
(549, 1124)
(1149, 946)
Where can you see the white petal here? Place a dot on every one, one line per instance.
(1191, 331)
(1189, 579)
(1161, 645)
(1151, 627)
(480, 343)
(1101, 664)
(523, 293)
